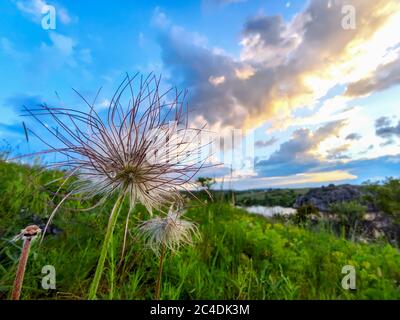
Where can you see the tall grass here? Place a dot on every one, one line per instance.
(239, 256)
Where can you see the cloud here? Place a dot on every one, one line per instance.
(353, 136)
(388, 142)
(63, 43)
(382, 122)
(268, 29)
(299, 154)
(292, 181)
(103, 104)
(216, 81)
(385, 166)
(33, 8)
(8, 48)
(266, 143)
(385, 129)
(384, 77)
(338, 153)
(356, 171)
(292, 64)
(60, 53)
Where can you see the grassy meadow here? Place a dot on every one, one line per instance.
(239, 256)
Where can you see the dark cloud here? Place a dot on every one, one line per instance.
(382, 122)
(370, 147)
(384, 77)
(270, 29)
(296, 155)
(266, 143)
(388, 142)
(353, 136)
(385, 129)
(390, 131)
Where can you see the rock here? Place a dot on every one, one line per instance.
(323, 197)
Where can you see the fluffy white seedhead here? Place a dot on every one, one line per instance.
(145, 150)
(170, 232)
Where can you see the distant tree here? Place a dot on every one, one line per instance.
(205, 182)
(385, 196)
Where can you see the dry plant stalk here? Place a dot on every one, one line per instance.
(27, 235)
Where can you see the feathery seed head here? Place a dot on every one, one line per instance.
(170, 231)
(146, 150)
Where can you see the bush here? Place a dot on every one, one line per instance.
(304, 214)
(386, 197)
(350, 214)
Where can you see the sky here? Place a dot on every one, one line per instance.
(313, 87)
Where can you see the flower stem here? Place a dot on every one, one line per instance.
(19, 278)
(107, 239)
(160, 270)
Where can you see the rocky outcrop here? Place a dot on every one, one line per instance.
(323, 197)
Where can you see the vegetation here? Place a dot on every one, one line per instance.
(205, 182)
(239, 256)
(304, 214)
(386, 196)
(269, 198)
(350, 214)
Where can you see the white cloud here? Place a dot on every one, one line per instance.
(33, 8)
(296, 180)
(216, 81)
(103, 105)
(63, 43)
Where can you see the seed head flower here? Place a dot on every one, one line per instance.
(145, 150)
(170, 231)
(29, 233)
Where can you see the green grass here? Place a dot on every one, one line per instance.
(239, 256)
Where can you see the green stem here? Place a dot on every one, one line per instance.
(107, 239)
(160, 270)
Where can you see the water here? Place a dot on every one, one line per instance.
(270, 211)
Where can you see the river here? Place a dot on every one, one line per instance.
(270, 211)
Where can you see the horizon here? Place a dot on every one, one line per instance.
(313, 84)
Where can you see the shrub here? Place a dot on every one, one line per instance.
(304, 214)
(350, 214)
(386, 197)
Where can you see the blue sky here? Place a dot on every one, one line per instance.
(321, 99)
